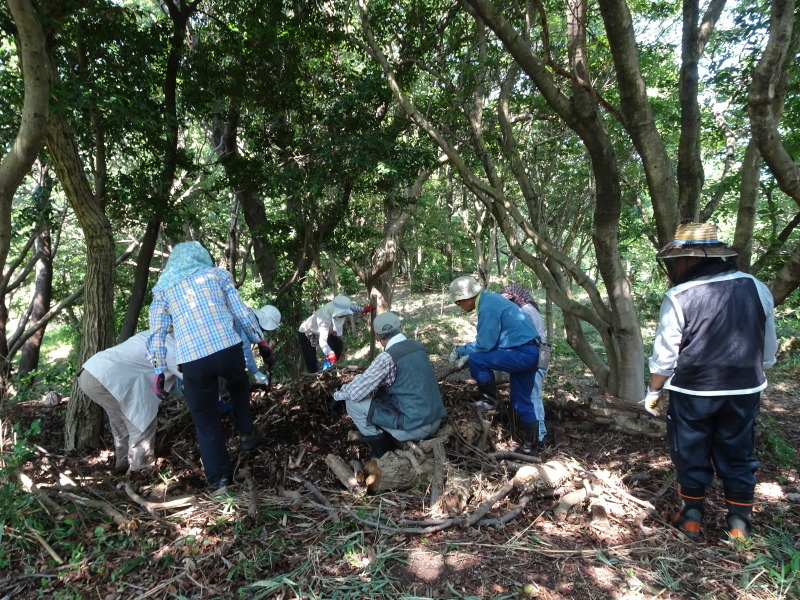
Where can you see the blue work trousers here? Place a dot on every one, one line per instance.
(521, 363)
(201, 386)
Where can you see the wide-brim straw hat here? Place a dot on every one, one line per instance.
(696, 239)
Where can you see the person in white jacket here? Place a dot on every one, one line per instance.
(119, 379)
(323, 330)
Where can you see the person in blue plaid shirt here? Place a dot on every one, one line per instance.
(199, 304)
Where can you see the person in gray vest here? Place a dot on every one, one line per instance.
(397, 397)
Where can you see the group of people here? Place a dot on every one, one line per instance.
(715, 337)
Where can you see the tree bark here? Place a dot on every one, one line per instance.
(690, 167)
(29, 140)
(84, 418)
(144, 258)
(40, 304)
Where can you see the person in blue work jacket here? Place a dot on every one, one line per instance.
(199, 304)
(505, 341)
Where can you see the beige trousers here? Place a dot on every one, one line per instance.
(135, 447)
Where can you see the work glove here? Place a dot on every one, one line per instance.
(368, 308)
(652, 402)
(326, 365)
(454, 356)
(261, 377)
(267, 355)
(462, 361)
(158, 387)
(331, 357)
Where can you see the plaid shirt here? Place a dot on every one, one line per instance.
(382, 372)
(203, 310)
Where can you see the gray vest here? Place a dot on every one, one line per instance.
(413, 400)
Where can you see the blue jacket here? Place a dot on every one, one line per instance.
(501, 324)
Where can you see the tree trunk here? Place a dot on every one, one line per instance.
(224, 135)
(25, 148)
(690, 167)
(40, 305)
(768, 81)
(144, 258)
(84, 418)
(748, 205)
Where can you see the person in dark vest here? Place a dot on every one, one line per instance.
(397, 397)
(715, 337)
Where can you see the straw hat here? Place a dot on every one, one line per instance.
(696, 239)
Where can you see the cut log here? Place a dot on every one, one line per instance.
(551, 475)
(621, 415)
(398, 470)
(439, 472)
(456, 494)
(345, 475)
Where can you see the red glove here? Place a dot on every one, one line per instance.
(331, 356)
(368, 308)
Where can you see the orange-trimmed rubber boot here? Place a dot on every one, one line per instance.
(739, 527)
(689, 521)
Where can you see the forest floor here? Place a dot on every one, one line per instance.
(291, 529)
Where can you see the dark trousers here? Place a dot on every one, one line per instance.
(309, 351)
(714, 433)
(201, 386)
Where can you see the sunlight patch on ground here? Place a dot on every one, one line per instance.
(60, 353)
(770, 490)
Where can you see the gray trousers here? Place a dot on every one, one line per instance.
(131, 445)
(358, 411)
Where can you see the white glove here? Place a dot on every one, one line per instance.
(462, 362)
(454, 356)
(652, 402)
(261, 377)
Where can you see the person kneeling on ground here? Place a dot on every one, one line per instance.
(398, 396)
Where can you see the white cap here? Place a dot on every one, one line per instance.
(268, 317)
(464, 287)
(386, 323)
(341, 307)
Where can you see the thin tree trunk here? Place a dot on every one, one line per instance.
(144, 258)
(43, 293)
(690, 168)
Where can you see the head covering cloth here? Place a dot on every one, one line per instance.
(186, 258)
(518, 295)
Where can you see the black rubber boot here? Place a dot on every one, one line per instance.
(528, 433)
(488, 399)
(690, 519)
(488, 388)
(740, 507)
(379, 444)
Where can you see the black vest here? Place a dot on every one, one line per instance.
(722, 347)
